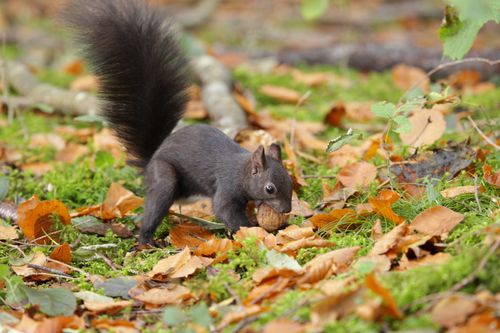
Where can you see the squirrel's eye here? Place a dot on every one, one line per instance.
(269, 189)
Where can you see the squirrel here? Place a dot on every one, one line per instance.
(142, 78)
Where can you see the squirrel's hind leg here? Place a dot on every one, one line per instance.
(162, 185)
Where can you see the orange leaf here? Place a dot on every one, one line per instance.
(189, 234)
(405, 77)
(389, 240)
(75, 67)
(215, 246)
(359, 174)
(493, 178)
(179, 265)
(427, 126)
(459, 190)
(240, 314)
(162, 296)
(35, 218)
(280, 93)
(372, 284)
(111, 325)
(335, 115)
(372, 150)
(337, 215)
(62, 253)
(436, 221)
(382, 205)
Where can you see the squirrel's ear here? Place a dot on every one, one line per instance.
(258, 160)
(275, 151)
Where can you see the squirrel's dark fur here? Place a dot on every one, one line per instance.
(142, 88)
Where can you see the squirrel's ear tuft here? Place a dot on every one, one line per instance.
(258, 160)
(275, 151)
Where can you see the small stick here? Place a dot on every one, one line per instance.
(482, 134)
(476, 195)
(233, 294)
(318, 176)
(76, 269)
(52, 271)
(108, 261)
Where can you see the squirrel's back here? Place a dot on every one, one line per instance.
(140, 69)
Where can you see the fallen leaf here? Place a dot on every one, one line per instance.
(47, 139)
(38, 168)
(406, 77)
(188, 234)
(324, 265)
(427, 126)
(377, 231)
(252, 139)
(88, 83)
(114, 325)
(161, 296)
(50, 325)
(359, 111)
(337, 218)
(240, 313)
(456, 191)
(179, 265)
(344, 156)
(375, 286)
(119, 201)
(35, 218)
(334, 307)
(380, 263)
(266, 290)
(300, 207)
(493, 178)
(101, 304)
(429, 260)
(71, 153)
(75, 67)
(453, 310)
(62, 253)
(215, 247)
(389, 240)
(356, 175)
(8, 232)
(22, 269)
(284, 325)
(195, 110)
(281, 93)
(294, 232)
(464, 78)
(335, 115)
(304, 243)
(106, 141)
(436, 221)
(382, 205)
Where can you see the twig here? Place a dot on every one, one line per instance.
(245, 322)
(446, 65)
(318, 176)
(482, 134)
(108, 261)
(233, 294)
(476, 195)
(76, 269)
(52, 271)
(14, 247)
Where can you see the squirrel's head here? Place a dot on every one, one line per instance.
(268, 181)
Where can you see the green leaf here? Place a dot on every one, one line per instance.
(4, 187)
(16, 290)
(281, 260)
(4, 271)
(456, 46)
(313, 9)
(174, 316)
(479, 11)
(117, 287)
(53, 301)
(201, 315)
(90, 119)
(342, 140)
(103, 159)
(384, 110)
(404, 125)
(45, 108)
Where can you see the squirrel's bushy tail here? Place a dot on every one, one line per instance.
(140, 69)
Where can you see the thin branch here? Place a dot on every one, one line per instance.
(476, 195)
(482, 134)
(52, 271)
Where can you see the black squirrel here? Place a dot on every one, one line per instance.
(142, 89)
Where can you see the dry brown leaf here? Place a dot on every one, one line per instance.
(307, 140)
(35, 218)
(356, 175)
(344, 156)
(284, 325)
(271, 273)
(382, 205)
(406, 77)
(269, 219)
(380, 263)
(436, 221)
(252, 139)
(266, 290)
(336, 197)
(247, 105)
(188, 234)
(429, 260)
(334, 307)
(335, 115)
(324, 265)
(312, 241)
(62, 253)
(24, 270)
(293, 164)
(377, 231)
(375, 286)
(427, 126)
(50, 325)
(485, 322)
(179, 265)
(74, 67)
(456, 191)
(464, 78)
(195, 110)
(294, 232)
(82, 134)
(239, 314)
(111, 307)
(8, 232)
(359, 111)
(71, 153)
(47, 139)
(38, 168)
(106, 141)
(493, 178)
(114, 325)
(86, 83)
(300, 207)
(281, 93)
(215, 247)
(389, 240)
(327, 221)
(453, 310)
(162, 296)
(256, 232)
(119, 201)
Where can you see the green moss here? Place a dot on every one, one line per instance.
(352, 324)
